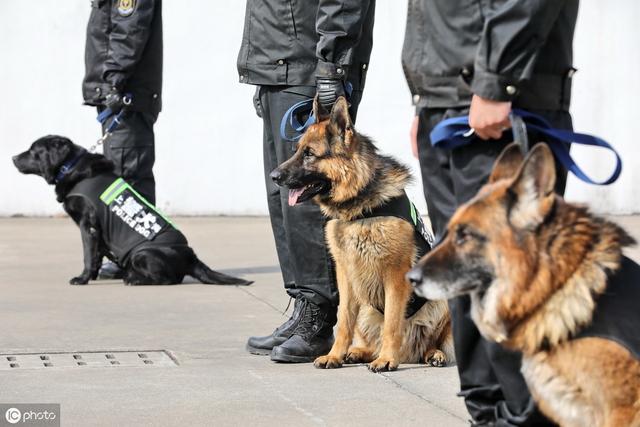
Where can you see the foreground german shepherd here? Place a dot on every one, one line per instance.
(547, 278)
(344, 174)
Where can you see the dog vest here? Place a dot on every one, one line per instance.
(401, 207)
(617, 313)
(127, 220)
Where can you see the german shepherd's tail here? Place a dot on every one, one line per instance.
(200, 271)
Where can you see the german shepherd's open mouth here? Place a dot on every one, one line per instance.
(307, 191)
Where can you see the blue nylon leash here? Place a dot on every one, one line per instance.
(290, 118)
(105, 114)
(455, 132)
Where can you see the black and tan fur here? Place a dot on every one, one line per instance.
(346, 176)
(534, 266)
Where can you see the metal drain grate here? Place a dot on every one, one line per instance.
(89, 359)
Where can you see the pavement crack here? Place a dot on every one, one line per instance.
(316, 419)
(413, 393)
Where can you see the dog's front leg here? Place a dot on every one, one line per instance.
(347, 316)
(91, 254)
(396, 296)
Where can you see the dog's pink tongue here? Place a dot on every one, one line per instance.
(294, 194)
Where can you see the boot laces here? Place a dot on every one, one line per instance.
(309, 323)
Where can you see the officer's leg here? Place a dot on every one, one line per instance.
(131, 147)
(264, 344)
(312, 266)
(490, 377)
(435, 171)
(274, 200)
(479, 387)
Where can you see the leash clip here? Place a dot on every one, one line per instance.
(99, 142)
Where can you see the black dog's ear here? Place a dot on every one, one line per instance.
(319, 112)
(55, 150)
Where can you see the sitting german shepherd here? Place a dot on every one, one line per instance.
(114, 220)
(375, 235)
(549, 279)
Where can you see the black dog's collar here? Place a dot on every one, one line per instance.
(68, 166)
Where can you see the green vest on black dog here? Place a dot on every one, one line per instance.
(127, 219)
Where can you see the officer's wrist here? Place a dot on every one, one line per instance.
(331, 71)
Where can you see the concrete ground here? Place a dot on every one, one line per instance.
(203, 327)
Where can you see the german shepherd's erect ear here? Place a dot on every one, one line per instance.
(533, 188)
(319, 112)
(508, 163)
(340, 120)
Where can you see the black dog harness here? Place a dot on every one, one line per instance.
(617, 313)
(127, 220)
(401, 207)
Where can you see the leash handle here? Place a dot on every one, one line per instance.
(455, 132)
(290, 119)
(104, 115)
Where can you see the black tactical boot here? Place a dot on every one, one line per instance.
(312, 337)
(263, 345)
(110, 271)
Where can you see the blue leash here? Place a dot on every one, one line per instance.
(455, 132)
(304, 107)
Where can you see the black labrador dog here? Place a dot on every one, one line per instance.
(114, 220)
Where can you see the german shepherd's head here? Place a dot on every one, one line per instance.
(339, 168)
(515, 244)
(309, 173)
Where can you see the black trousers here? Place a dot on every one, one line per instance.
(490, 378)
(131, 148)
(305, 262)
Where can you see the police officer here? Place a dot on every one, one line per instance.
(293, 51)
(484, 58)
(123, 60)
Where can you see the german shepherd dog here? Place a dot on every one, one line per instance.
(343, 173)
(162, 261)
(540, 273)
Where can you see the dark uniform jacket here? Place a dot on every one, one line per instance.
(289, 43)
(127, 220)
(124, 50)
(502, 50)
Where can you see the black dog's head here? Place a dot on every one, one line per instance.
(45, 157)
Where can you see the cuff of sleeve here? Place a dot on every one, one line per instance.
(494, 86)
(329, 70)
(115, 80)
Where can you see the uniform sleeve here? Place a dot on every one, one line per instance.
(339, 25)
(128, 38)
(509, 46)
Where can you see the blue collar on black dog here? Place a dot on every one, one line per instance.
(68, 166)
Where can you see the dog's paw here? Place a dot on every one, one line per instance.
(435, 357)
(79, 280)
(327, 362)
(382, 364)
(359, 355)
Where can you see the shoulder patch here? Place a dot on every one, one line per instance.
(126, 7)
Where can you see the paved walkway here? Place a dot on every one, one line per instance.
(203, 328)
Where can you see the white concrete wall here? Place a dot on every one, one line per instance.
(209, 157)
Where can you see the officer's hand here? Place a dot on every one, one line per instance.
(328, 91)
(489, 118)
(413, 136)
(114, 101)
